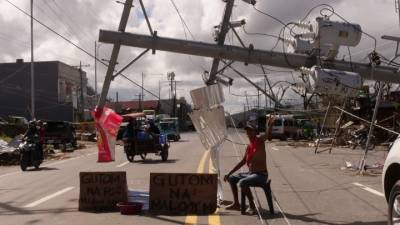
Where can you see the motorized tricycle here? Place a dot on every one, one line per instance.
(142, 141)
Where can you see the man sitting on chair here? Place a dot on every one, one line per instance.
(255, 158)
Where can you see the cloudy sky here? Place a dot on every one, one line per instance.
(80, 21)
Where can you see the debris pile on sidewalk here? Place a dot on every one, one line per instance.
(3, 144)
(8, 153)
(323, 142)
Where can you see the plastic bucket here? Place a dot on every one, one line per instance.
(130, 208)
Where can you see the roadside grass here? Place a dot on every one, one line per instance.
(5, 138)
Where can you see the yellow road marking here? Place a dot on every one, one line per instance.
(192, 219)
(213, 219)
(200, 168)
(211, 168)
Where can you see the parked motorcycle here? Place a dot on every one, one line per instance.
(360, 139)
(30, 153)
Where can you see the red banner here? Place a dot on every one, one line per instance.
(107, 126)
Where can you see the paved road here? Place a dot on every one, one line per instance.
(310, 189)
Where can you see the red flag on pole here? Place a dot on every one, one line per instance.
(107, 125)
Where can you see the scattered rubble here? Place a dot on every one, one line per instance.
(16, 141)
(3, 144)
(9, 155)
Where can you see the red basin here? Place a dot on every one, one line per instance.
(130, 208)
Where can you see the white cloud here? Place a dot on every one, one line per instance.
(80, 21)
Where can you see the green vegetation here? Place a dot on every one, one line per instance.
(5, 138)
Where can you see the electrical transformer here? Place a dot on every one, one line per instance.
(333, 82)
(323, 37)
(337, 33)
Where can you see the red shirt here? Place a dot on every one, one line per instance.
(250, 150)
(41, 135)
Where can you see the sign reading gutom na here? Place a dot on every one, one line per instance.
(101, 191)
(183, 193)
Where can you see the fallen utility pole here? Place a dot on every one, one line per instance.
(114, 55)
(221, 39)
(247, 55)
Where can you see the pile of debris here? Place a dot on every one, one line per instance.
(9, 154)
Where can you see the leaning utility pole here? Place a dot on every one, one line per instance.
(114, 55)
(95, 71)
(221, 39)
(32, 69)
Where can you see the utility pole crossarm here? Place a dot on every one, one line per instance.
(235, 53)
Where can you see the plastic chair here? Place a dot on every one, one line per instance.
(268, 194)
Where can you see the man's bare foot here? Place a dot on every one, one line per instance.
(233, 206)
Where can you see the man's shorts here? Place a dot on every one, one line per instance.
(247, 179)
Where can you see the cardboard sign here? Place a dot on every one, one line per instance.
(183, 193)
(101, 191)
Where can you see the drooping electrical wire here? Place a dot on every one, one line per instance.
(77, 46)
(350, 59)
(313, 8)
(186, 27)
(183, 21)
(269, 15)
(256, 33)
(13, 73)
(68, 15)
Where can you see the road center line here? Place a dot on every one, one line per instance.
(51, 164)
(213, 219)
(375, 192)
(192, 219)
(40, 201)
(7, 174)
(70, 159)
(200, 168)
(122, 164)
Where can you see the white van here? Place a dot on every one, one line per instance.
(285, 126)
